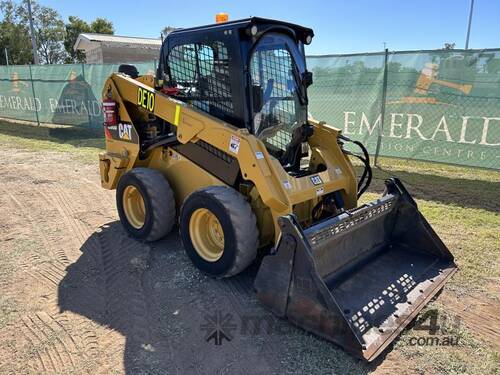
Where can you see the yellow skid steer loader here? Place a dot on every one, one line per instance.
(220, 141)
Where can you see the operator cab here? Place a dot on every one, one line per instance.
(250, 73)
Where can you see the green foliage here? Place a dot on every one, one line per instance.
(14, 36)
(55, 40)
(15, 39)
(102, 26)
(167, 30)
(49, 32)
(75, 27)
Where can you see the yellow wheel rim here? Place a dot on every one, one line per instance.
(133, 205)
(206, 234)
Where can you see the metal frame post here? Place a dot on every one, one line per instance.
(86, 95)
(36, 60)
(382, 108)
(469, 24)
(34, 96)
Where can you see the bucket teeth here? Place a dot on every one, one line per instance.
(359, 278)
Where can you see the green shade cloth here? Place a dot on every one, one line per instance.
(441, 105)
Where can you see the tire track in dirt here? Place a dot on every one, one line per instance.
(478, 314)
(56, 197)
(118, 257)
(130, 305)
(8, 234)
(47, 271)
(82, 233)
(122, 296)
(125, 320)
(85, 332)
(124, 284)
(50, 268)
(25, 212)
(54, 348)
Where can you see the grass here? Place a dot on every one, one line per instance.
(448, 359)
(12, 253)
(462, 205)
(84, 144)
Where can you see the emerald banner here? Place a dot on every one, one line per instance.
(57, 94)
(430, 105)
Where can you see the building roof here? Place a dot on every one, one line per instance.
(88, 40)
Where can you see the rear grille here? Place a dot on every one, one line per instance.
(353, 219)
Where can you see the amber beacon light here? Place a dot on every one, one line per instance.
(221, 17)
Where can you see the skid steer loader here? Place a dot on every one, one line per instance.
(220, 141)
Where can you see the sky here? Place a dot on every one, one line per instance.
(339, 26)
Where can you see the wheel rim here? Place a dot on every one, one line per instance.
(133, 205)
(206, 234)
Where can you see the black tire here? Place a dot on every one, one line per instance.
(159, 203)
(129, 70)
(238, 222)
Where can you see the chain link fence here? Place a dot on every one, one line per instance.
(440, 105)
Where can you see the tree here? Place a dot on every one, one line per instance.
(15, 39)
(449, 46)
(49, 34)
(48, 25)
(102, 26)
(75, 27)
(167, 30)
(55, 40)
(13, 36)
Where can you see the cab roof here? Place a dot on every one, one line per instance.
(246, 23)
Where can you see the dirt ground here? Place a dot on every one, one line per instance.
(79, 296)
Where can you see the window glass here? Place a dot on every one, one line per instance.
(275, 74)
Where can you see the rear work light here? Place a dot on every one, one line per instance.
(109, 109)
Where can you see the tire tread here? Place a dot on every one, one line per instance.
(244, 224)
(162, 200)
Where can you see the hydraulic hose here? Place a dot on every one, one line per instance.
(366, 178)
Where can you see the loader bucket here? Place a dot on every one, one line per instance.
(359, 278)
